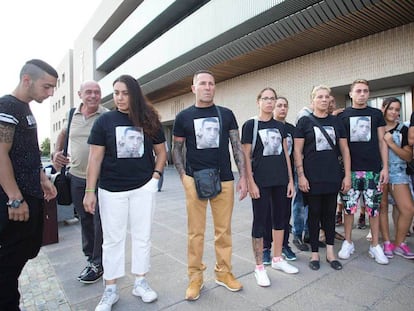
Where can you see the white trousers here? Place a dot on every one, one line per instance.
(116, 208)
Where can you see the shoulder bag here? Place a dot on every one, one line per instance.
(61, 179)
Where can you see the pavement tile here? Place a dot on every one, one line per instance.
(48, 282)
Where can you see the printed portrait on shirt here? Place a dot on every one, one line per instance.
(272, 141)
(360, 128)
(289, 141)
(207, 132)
(129, 142)
(320, 140)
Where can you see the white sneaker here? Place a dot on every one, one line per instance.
(261, 277)
(284, 266)
(378, 254)
(109, 298)
(346, 250)
(143, 290)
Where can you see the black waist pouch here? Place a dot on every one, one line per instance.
(207, 182)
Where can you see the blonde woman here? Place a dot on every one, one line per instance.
(319, 172)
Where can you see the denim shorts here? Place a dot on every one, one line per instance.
(398, 175)
(391, 198)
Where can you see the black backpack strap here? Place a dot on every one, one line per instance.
(65, 148)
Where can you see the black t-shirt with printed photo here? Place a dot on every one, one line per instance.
(24, 153)
(320, 162)
(361, 126)
(128, 162)
(201, 129)
(269, 162)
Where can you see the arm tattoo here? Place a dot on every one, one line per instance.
(237, 151)
(6, 134)
(178, 156)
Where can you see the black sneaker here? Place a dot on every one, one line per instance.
(288, 253)
(94, 274)
(361, 222)
(300, 245)
(84, 271)
(267, 257)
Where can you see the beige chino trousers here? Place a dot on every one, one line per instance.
(222, 210)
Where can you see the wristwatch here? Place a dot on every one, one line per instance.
(14, 203)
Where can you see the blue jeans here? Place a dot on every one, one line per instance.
(299, 212)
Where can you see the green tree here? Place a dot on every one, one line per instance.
(45, 147)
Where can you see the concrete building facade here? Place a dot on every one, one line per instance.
(63, 98)
(288, 45)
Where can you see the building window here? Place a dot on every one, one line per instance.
(403, 94)
(63, 100)
(63, 78)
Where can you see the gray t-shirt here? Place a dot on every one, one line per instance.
(78, 136)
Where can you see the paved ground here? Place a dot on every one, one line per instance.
(49, 281)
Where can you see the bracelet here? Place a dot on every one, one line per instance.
(159, 172)
(89, 190)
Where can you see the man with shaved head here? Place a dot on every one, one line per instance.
(23, 184)
(83, 118)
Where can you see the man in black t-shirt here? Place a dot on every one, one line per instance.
(365, 128)
(209, 155)
(23, 184)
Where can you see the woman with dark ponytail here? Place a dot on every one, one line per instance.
(123, 169)
(399, 187)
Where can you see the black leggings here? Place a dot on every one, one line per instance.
(268, 238)
(322, 210)
(273, 198)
